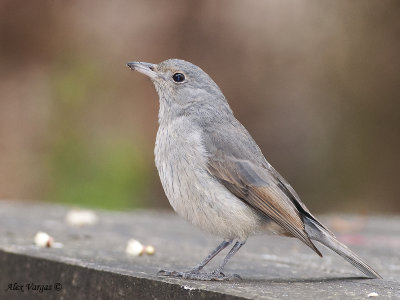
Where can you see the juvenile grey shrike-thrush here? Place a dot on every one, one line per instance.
(215, 175)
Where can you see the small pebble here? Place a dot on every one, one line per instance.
(373, 294)
(81, 217)
(42, 239)
(150, 250)
(134, 248)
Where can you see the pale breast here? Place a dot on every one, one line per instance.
(181, 161)
(178, 153)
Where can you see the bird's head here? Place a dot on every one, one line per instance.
(182, 86)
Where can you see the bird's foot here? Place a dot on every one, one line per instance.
(196, 275)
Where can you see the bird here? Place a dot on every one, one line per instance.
(215, 175)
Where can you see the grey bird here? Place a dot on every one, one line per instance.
(215, 175)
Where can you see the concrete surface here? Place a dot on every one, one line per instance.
(92, 263)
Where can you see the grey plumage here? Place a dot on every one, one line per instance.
(215, 175)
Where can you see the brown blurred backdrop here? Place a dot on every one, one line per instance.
(315, 82)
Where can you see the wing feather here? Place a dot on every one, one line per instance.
(235, 160)
(251, 185)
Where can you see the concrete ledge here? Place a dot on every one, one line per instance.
(60, 280)
(92, 263)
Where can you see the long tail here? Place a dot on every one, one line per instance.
(318, 233)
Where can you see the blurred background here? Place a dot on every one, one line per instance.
(315, 82)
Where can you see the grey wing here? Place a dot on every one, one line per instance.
(294, 197)
(236, 162)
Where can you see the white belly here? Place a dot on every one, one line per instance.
(181, 161)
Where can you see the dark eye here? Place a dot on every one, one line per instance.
(178, 77)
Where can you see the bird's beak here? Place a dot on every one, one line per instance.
(143, 67)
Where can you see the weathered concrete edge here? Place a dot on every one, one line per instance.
(83, 282)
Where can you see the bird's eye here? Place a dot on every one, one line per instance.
(178, 77)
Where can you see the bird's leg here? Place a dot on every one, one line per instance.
(210, 256)
(217, 273)
(196, 270)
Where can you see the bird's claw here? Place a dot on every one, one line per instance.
(170, 273)
(196, 275)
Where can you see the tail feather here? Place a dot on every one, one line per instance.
(319, 234)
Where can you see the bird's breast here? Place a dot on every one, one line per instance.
(181, 160)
